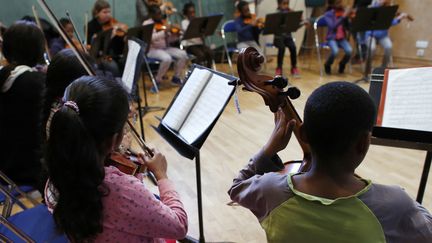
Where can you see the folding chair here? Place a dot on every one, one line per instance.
(10, 193)
(319, 27)
(228, 27)
(31, 225)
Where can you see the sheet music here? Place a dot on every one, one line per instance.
(186, 99)
(130, 67)
(207, 108)
(408, 102)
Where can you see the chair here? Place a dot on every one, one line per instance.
(10, 193)
(31, 225)
(319, 27)
(228, 27)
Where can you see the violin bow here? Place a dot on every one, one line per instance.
(38, 23)
(86, 65)
(76, 32)
(86, 28)
(66, 38)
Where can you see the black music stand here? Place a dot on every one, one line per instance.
(201, 27)
(400, 138)
(370, 19)
(281, 23)
(144, 33)
(192, 151)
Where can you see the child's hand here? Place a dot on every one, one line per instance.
(156, 164)
(281, 134)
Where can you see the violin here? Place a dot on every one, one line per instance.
(275, 97)
(253, 20)
(408, 16)
(119, 29)
(125, 162)
(164, 26)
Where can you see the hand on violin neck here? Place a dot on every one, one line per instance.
(156, 164)
(281, 134)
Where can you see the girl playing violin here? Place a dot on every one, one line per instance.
(91, 202)
(160, 49)
(336, 19)
(58, 44)
(107, 38)
(328, 203)
(382, 36)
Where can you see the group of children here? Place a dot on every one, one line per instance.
(57, 130)
(67, 124)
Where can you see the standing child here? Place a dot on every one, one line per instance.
(285, 40)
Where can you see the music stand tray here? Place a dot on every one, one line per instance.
(370, 19)
(201, 27)
(280, 23)
(401, 138)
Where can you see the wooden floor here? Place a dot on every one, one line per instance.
(236, 137)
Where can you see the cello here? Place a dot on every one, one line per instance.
(275, 96)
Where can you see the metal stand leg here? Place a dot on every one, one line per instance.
(368, 65)
(424, 178)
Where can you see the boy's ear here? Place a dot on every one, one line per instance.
(363, 142)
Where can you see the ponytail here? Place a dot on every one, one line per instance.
(80, 138)
(71, 157)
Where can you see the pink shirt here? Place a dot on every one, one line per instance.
(133, 214)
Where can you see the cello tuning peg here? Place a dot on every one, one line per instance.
(279, 82)
(292, 92)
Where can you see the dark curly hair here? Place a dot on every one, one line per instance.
(335, 115)
(76, 151)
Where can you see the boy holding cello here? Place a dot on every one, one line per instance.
(328, 203)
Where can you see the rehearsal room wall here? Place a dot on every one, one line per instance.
(406, 34)
(123, 10)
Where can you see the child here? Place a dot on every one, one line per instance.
(247, 31)
(382, 36)
(94, 203)
(328, 203)
(63, 69)
(334, 19)
(21, 102)
(160, 50)
(106, 47)
(195, 46)
(58, 44)
(285, 40)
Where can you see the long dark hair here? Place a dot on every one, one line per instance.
(23, 44)
(78, 144)
(63, 69)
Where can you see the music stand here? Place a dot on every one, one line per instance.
(144, 33)
(370, 19)
(281, 23)
(400, 138)
(201, 27)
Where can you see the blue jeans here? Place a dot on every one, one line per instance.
(387, 45)
(334, 47)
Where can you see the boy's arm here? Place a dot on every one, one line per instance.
(256, 188)
(259, 187)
